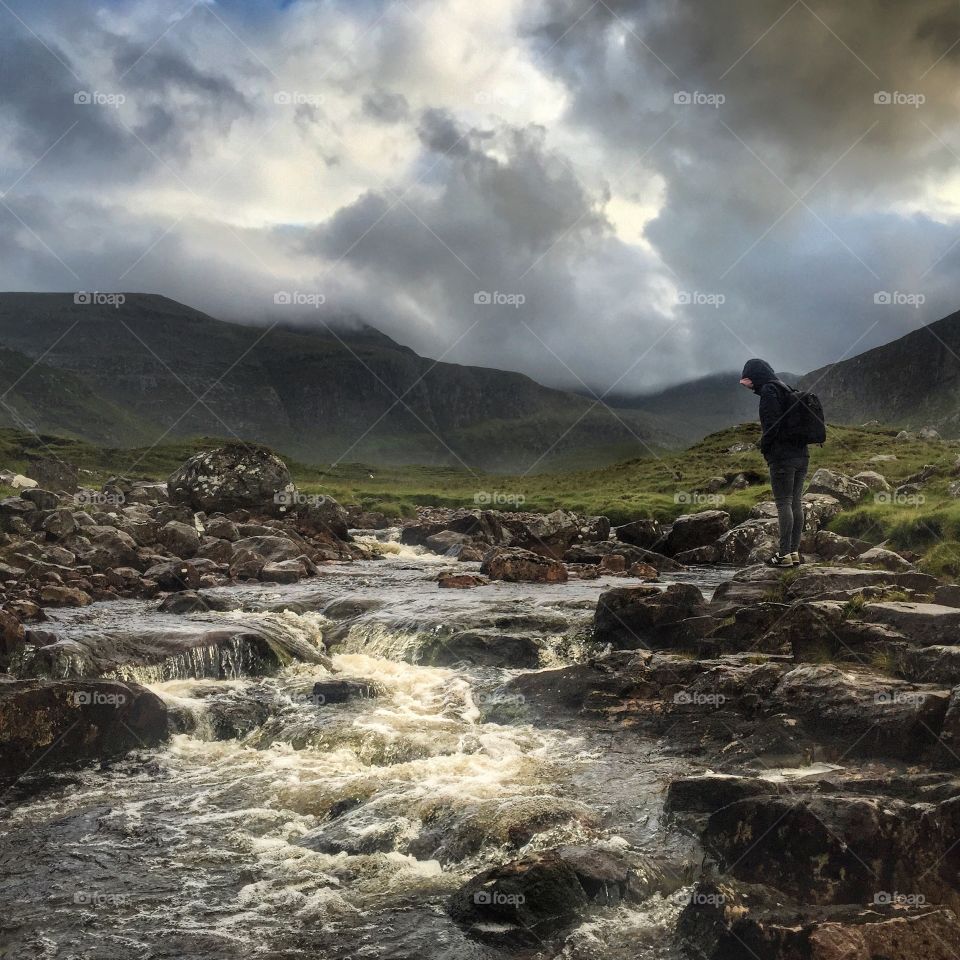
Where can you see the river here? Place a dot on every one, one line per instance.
(340, 830)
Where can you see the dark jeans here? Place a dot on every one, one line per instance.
(786, 478)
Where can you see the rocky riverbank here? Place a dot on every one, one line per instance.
(815, 711)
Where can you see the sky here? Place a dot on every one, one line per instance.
(601, 194)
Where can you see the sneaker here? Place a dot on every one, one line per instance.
(796, 558)
(781, 560)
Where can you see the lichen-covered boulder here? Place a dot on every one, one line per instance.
(234, 477)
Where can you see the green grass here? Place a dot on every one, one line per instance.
(658, 486)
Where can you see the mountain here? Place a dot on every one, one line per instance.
(152, 368)
(699, 407)
(911, 382)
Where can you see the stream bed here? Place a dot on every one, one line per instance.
(340, 830)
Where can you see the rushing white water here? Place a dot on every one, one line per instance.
(335, 829)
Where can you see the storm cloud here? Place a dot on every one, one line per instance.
(612, 194)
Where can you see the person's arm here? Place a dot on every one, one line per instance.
(771, 413)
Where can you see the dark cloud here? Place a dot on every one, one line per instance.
(386, 106)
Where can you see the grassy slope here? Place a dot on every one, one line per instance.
(635, 488)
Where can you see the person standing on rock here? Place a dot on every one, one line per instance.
(788, 457)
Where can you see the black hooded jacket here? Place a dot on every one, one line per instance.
(773, 395)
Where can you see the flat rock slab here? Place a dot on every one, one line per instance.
(923, 623)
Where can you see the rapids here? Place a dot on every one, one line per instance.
(336, 830)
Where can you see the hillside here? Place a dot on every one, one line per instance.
(699, 407)
(155, 367)
(910, 382)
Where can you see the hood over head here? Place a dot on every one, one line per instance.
(759, 373)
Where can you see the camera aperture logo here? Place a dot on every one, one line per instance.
(286, 98)
(97, 698)
(96, 98)
(498, 299)
(699, 98)
(299, 298)
(496, 898)
(897, 298)
(83, 298)
(498, 498)
(897, 98)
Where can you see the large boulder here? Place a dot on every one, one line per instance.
(47, 724)
(752, 541)
(835, 484)
(922, 623)
(522, 566)
(631, 618)
(696, 530)
(234, 477)
(181, 539)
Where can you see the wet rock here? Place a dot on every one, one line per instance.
(729, 920)
(50, 724)
(460, 581)
(594, 553)
(710, 792)
(640, 533)
(515, 565)
(696, 530)
(870, 715)
(630, 618)
(446, 542)
(175, 575)
(520, 903)
(236, 476)
(835, 484)
(746, 628)
(284, 571)
(11, 637)
(479, 648)
(266, 549)
(188, 601)
(340, 690)
(550, 535)
(699, 555)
